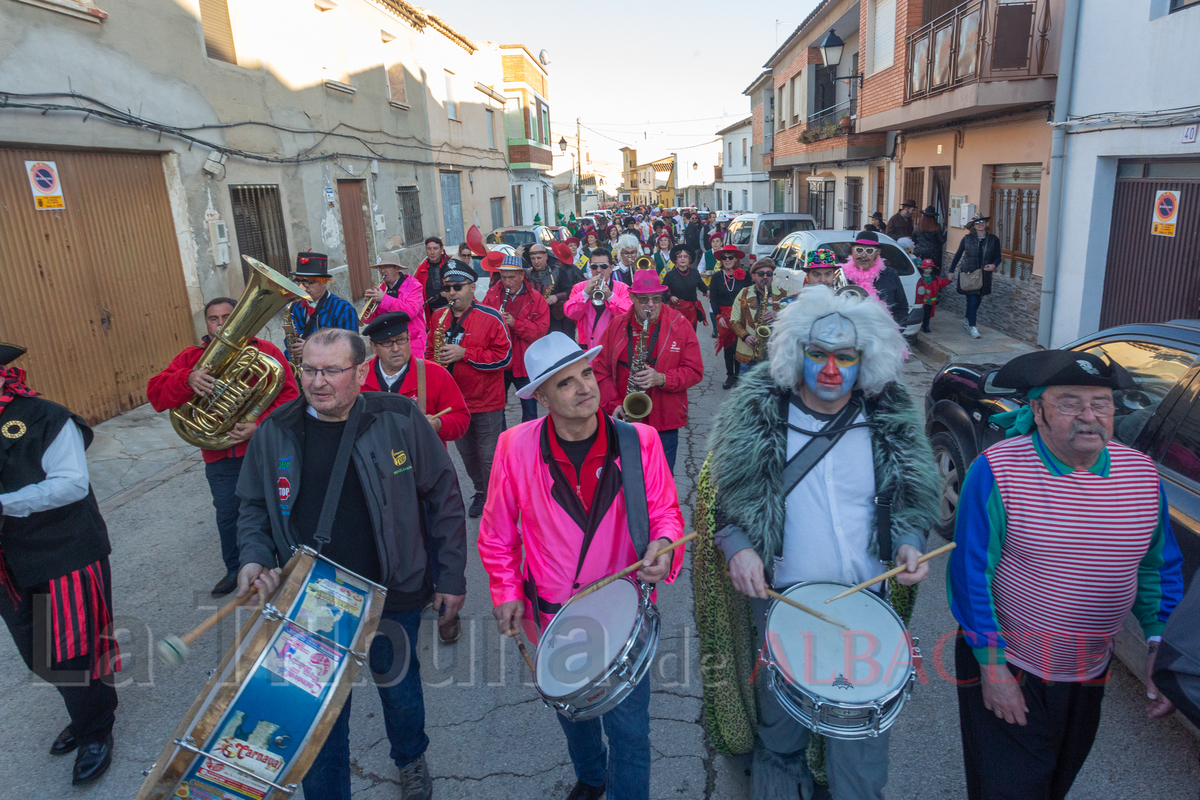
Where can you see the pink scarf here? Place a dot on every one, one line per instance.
(864, 278)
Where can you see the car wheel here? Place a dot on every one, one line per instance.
(949, 460)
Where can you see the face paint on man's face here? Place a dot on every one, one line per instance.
(830, 375)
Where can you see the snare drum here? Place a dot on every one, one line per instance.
(597, 649)
(843, 684)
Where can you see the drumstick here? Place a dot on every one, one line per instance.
(632, 568)
(891, 573)
(524, 652)
(776, 595)
(173, 650)
(443, 411)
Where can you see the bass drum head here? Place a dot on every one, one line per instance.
(585, 637)
(869, 662)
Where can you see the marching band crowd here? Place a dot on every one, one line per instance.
(819, 471)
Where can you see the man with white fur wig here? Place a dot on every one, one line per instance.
(819, 471)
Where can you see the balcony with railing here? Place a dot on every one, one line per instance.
(979, 41)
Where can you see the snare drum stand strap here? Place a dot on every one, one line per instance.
(337, 477)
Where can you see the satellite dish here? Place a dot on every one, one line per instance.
(544, 57)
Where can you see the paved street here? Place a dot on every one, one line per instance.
(490, 734)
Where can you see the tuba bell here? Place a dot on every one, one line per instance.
(643, 262)
(247, 380)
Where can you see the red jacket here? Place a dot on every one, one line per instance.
(169, 389)
(440, 392)
(531, 320)
(480, 374)
(676, 354)
(927, 291)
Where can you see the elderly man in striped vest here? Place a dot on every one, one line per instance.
(1061, 532)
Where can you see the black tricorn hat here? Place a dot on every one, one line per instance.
(10, 353)
(386, 326)
(312, 265)
(1061, 368)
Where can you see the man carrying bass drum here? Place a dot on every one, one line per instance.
(555, 483)
(799, 499)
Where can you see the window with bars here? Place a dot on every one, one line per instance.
(820, 202)
(258, 223)
(914, 185)
(410, 214)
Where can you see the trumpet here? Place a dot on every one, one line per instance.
(643, 262)
(371, 305)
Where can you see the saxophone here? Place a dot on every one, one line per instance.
(439, 339)
(637, 404)
(290, 337)
(761, 331)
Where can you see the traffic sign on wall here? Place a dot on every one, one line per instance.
(47, 189)
(1166, 209)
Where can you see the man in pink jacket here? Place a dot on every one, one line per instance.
(399, 292)
(593, 318)
(555, 521)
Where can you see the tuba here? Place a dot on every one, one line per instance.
(637, 404)
(247, 380)
(643, 262)
(842, 286)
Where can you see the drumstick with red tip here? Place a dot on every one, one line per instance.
(891, 573)
(632, 568)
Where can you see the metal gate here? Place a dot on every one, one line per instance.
(95, 290)
(452, 209)
(354, 230)
(1151, 278)
(914, 185)
(258, 223)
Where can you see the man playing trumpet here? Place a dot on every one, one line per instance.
(398, 292)
(598, 301)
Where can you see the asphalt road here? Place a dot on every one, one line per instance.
(490, 734)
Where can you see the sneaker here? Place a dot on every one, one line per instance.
(974, 332)
(415, 783)
(966, 324)
(477, 505)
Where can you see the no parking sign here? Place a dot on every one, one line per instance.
(47, 190)
(1166, 209)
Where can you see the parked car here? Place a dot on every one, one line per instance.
(1160, 416)
(759, 234)
(791, 252)
(517, 235)
(559, 232)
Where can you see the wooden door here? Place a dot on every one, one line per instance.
(354, 230)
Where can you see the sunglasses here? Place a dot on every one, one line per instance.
(729, 258)
(764, 273)
(860, 250)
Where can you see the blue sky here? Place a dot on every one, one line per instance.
(672, 71)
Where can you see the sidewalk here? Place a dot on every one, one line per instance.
(951, 342)
(136, 452)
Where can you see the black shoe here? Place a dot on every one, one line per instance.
(477, 506)
(92, 761)
(730, 380)
(225, 585)
(64, 744)
(926, 329)
(583, 791)
(714, 334)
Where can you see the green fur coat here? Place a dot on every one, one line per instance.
(740, 486)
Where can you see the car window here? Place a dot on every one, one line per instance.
(771, 231)
(739, 232)
(1155, 370)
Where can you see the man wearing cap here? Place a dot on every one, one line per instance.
(395, 370)
(592, 317)
(723, 290)
(557, 521)
(429, 272)
(326, 310)
(866, 268)
(180, 383)
(477, 350)
(55, 581)
(1061, 532)
(399, 292)
(901, 225)
(755, 306)
(528, 319)
(684, 284)
(673, 361)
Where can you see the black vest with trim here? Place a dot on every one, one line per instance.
(46, 544)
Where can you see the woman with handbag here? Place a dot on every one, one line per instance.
(979, 252)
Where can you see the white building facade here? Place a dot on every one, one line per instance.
(741, 187)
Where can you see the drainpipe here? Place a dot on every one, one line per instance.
(1058, 146)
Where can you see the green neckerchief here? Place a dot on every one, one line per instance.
(1019, 422)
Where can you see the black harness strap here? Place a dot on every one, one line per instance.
(341, 462)
(634, 482)
(817, 447)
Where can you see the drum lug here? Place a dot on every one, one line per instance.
(146, 772)
(210, 672)
(876, 719)
(271, 612)
(818, 712)
(283, 741)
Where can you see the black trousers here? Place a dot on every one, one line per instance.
(1005, 761)
(91, 702)
(731, 365)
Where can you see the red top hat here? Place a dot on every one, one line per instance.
(492, 261)
(646, 282)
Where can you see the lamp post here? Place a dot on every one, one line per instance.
(579, 181)
(831, 55)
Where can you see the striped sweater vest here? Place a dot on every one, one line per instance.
(1068, 568)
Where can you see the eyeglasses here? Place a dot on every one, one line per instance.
(393, 344)
(330, 373)
(656, 299)
(1073, 408)
(859, 250)
(764, 273)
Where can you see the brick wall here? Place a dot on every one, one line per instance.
(1013, 306)
(756, 123)
(530, 154)
(885, 89)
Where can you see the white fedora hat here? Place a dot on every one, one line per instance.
(547, 356)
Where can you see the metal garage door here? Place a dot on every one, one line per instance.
(95, 290)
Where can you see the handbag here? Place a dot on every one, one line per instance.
(970, 281)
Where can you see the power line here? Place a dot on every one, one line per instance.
(669, 121)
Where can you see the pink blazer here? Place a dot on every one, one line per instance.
(580, 309)
(412, 302)
(525, 529)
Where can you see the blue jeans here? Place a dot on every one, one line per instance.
(624, 766)
(399, 685)
(670, 445)
(222, 482)
(529, 408)
(973, 301)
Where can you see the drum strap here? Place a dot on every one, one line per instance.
(419, 364)
(341, 462)
(633, 481)
(816, 448)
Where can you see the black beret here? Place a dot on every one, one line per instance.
(10, 353)
(1061, 368)
(386, 326)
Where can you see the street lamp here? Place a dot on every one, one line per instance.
(562, 145)
(831, 55)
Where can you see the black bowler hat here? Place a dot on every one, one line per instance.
(877, 215)
(386, 326)
(312, 265)
(867, 238)
(682, 248)
(10, 353)
(1061, 368)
